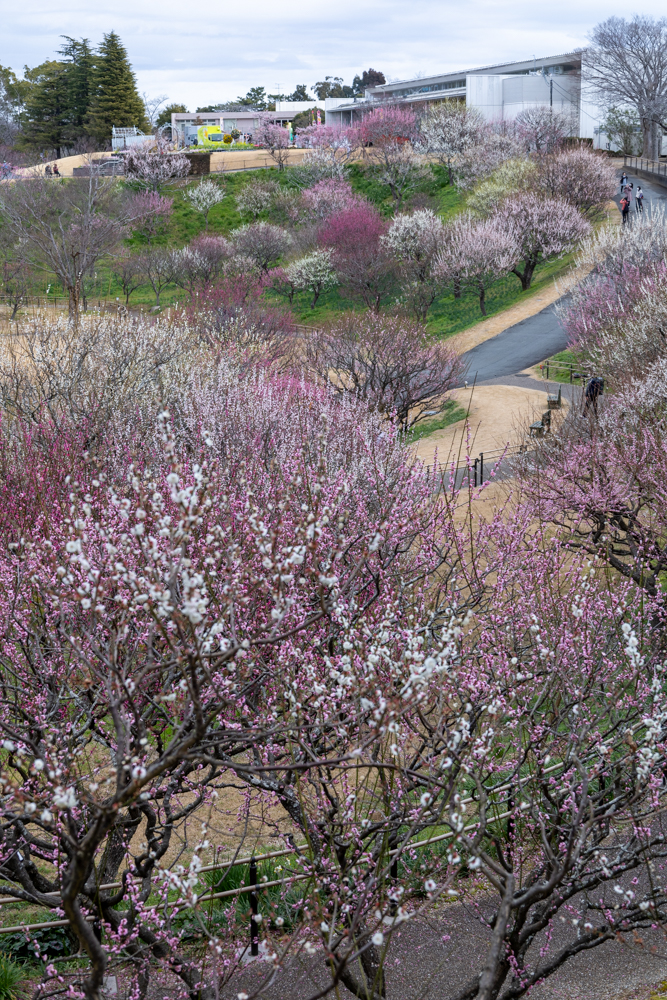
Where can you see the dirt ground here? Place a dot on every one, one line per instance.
(498, 416)
(220, 162)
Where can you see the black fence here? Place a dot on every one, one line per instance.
(488, 465)
(550, 369)
(658, 168)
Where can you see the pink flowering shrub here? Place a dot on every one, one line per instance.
(363, 263)
(151, 212)
(329, 197)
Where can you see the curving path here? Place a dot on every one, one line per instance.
(540, 336)
(520, 346)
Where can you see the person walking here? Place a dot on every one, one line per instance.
(592, 392)
(639, 199)
(624, 180)
(625, 208)
(56, 172)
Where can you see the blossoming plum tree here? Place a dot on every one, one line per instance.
(414, 240)
(313, 272)
(475, 253)
(205, 196)
(365, 268)
(543, 228)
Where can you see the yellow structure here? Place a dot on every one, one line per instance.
(209, 137)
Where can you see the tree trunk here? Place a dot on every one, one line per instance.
(457, 286)
(74, 303)
(527, 275)
(649, 139)
(482, 298)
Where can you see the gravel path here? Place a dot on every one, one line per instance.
(423, 966)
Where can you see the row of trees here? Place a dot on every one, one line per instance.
(231, 598)
(66, 102)
(528, 211)
(332, 86)
(67, 227)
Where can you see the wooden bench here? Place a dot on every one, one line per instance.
(555, 400)
(541, 427)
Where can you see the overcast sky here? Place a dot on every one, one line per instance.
(201, 52)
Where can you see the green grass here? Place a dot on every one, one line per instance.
(447, 315)
(561, 375)
(451, 414)
(432, 192)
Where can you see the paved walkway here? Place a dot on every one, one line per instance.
(540, 336)
(433, 959)
(520, 346)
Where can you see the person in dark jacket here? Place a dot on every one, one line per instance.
(592, 392)
(625, 208)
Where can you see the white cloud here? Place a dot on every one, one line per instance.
(199, 53)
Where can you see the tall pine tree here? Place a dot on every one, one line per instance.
(44, 120)
(80, 69)
(115, 100)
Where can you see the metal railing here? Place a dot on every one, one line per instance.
(656, 167)
(36, 300)
(563, 367)
(254, 886)
(471, 471)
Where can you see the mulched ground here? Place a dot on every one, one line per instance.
(421, 966)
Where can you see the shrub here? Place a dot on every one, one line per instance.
(12, 976)
(365, 267)
(263, 243)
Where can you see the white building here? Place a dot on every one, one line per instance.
(500, 92)
(184, 125)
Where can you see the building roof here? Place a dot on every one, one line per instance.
(521, 66)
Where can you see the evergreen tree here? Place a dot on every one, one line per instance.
(44, 120)
(255, 98)
(13, 93)
(300, 93)
(115, 99)
(80, 70)
(369, 78)
(164, 118)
